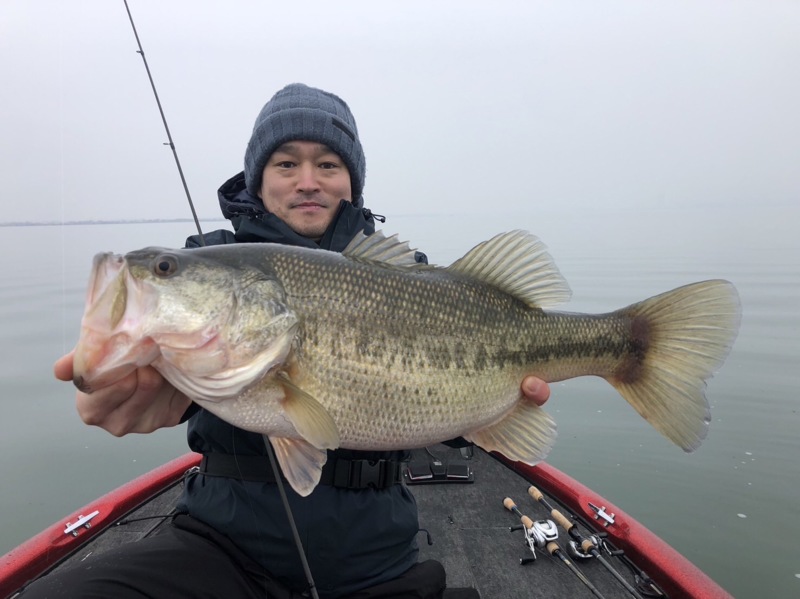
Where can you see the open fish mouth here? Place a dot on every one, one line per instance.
(152, 308)
(107, 289)
(103, 354)
(105, 268)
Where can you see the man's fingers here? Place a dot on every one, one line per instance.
(62, 369)
(141, 402)
(101, 407)
(536, 390)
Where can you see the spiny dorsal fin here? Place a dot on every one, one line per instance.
(517, 263)
(379, 248)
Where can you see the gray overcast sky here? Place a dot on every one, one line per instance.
(527, 105)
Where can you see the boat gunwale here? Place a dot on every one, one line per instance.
(671, 571)
(43, 552)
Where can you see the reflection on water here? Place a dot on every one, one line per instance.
(726, 507)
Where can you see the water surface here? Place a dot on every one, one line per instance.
(732, 507)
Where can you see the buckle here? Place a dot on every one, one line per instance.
(364, 474)
(368, 475)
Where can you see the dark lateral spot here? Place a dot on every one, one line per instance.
(481, 358)
(632, 365)
(363, 345)
(640, 334)
(460, 352)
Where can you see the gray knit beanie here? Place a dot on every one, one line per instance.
(299, 112)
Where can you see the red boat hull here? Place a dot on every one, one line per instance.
(673, 573)
(37, 555)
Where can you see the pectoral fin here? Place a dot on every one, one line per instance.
(310, 419)
(300, 462)
(526, 434)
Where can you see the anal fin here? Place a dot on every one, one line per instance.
(526, 434)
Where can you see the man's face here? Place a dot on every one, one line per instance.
(302, 185)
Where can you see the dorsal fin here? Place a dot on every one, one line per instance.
(518, 264)
(379, 248)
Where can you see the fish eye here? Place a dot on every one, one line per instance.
(165, 265)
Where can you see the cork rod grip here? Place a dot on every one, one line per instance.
(535, 493)
(560, 518)
(527, 522)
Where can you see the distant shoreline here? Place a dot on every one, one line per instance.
(103, 222)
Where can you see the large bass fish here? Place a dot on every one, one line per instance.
(369, 350)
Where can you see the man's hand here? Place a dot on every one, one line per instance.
(535, 390)
(141, 402)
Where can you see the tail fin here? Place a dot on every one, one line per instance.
(689, 332)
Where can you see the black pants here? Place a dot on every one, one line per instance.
(191, 560)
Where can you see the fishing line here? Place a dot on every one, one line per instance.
(61, 195)
(166, 127)
(297, 541)
(63, 277)
(270, 453)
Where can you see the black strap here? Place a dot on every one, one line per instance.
(341, 473)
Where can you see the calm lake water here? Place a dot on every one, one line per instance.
(732, 507)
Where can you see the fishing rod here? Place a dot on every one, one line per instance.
(588, 545)
(549, 543)
(537, 534)
(166, 127)
(273, 462)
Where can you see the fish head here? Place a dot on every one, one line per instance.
(211, 324)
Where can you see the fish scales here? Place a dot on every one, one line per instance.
(427, 348)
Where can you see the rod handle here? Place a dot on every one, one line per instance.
(509, 504)
(588, 546)
(526, 522)
(535, 493)
(560, 518)
(552, 548)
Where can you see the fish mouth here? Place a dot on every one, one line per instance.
(104, 353)
(105, 268)
(108, 290)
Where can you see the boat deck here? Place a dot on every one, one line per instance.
(469, 527)
(471, 536)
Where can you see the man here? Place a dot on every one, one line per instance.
(302, 185)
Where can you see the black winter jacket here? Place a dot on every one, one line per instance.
(353, 538)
